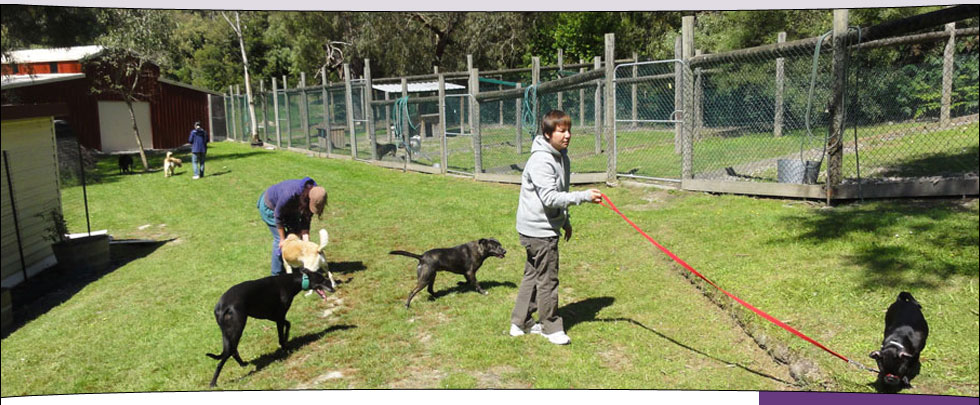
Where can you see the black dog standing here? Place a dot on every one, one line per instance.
(464, 259)
(125, 164)
(265, 298)
(905, 337)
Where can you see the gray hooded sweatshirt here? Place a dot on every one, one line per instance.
(543, 207)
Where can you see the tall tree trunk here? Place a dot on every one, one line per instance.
(237, 27)
(136, 131)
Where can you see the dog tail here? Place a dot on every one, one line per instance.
(907, 297)
(404, 253)
(324, 238)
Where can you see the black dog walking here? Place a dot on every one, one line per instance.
(906, 331)
(464, 259)
(265, 298)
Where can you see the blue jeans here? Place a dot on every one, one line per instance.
(198, 161)
(268, 217)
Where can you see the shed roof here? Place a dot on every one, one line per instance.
(73, 53)
(417, 87)
(15, 81)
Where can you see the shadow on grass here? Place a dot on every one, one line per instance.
(583, 311)
(292, 346)
(692, 349)
(911, 265)
(346, 267)
(937, 163)
(55, 286)
(463, 286)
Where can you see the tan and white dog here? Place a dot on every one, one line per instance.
(297, 253)
(169, 163)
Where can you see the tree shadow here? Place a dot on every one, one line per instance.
(232, 156)
(692, 349)
(292, 346)
(904, 266)
(56, 285)
(583, 311)
(936, 163)
(221, 173)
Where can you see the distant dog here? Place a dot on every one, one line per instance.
(464, 259)
(169, 163)
(297, 253)
(125, 164)
(386, 149)
(265, 298)
(905, 337)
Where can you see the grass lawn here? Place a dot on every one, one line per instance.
(634, 320)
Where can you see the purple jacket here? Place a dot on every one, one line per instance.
(283, 199)
(198, 140)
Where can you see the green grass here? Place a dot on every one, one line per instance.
(634, 320)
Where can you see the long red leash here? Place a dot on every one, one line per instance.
(609, 204)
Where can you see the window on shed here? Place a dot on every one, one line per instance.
(53, 67)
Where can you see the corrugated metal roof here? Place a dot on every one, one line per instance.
(417, 87)
(52, 54)
(15, 81)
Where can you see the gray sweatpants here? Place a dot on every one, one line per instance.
(539, 287)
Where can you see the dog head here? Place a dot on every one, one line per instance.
(894, 365)
(317, 282)
(491, 247)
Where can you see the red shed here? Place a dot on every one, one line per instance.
(102, 121)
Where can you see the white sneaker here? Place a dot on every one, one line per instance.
(558, 338)
(536, 329)
(516, 330)
(196, 177)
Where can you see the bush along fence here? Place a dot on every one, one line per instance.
(889, 110)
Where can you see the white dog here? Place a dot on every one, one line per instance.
(299, 253)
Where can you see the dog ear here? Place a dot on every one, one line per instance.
(875, 354)
(904, 355)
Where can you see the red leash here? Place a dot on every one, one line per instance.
(608, 203)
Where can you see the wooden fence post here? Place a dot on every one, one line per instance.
(777, 124)
(835, 149)
(406, 121)
(231, 109)
(633, 100)
(687, 51)
(304, 112)
(475, 121)
(388, 118)
(597, 110)
(443, 149)
(325, 93)
(519, 119)
(275, 111)
(698, 99)
(368, 109)
(678, 95)
(289, 123)
(561, 67)
(462, 100)
(349, 101)
(265, 112)
(948, 56)
(610, 115)
(581, 99)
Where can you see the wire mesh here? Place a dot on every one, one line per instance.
(648, 118)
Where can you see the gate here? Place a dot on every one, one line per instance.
(218, 125)
(649, 119)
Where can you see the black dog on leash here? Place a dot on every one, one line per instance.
(265, 298)
(464, 259)
(125, 163)
(905, 337)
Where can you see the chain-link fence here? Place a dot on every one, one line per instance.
(904, 109)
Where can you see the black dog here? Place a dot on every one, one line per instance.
(905, 337)
(386, 149)
(265, 298)
(464, 259)
(125, 164)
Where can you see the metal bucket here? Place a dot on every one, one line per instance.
(797, 171)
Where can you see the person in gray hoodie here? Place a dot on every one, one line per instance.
(542, 215)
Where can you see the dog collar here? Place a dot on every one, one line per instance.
(306, 282)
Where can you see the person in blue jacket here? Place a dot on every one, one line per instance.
(288, 207)
(199, 148)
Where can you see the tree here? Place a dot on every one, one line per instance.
(239, 28)
(135, 45)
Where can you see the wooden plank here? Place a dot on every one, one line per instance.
(915, 188)
(576, 178)
(753, 188)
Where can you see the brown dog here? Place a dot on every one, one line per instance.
(297, 253)
(169, 163)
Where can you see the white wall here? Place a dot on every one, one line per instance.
(117, 126)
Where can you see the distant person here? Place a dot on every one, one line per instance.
(288, 207)
(199, 148)
(542, 214)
